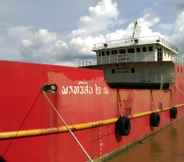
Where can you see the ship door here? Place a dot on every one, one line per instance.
(160, 55)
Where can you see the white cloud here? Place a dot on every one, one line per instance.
(180, 22)
(144, 29)
(41, 45)
(92, 27)
(38, 45)
(177, 36)
(147, 23)
(100, 18)
(84, 43)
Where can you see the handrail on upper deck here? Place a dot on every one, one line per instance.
(130, 41)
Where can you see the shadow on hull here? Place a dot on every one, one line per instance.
(139, 85)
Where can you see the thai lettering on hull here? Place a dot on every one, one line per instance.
(83, 88)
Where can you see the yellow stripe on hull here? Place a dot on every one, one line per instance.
(75, 127)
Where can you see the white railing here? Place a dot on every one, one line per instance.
(87, 62)
(135, 41)
(126, 59)
(123, 58)
(179, 59)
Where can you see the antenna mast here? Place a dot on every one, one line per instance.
(134, 29)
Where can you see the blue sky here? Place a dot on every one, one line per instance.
(63, 31)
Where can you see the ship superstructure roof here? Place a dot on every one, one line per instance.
(134, 42)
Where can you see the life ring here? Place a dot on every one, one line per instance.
(154, 119)
(123, 126)
(173, 112)
(2, 159)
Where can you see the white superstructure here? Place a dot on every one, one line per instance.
(143, 49)
(140, 62)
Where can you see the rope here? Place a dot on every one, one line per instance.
(22, 123)
(179, 90)
(119, 103)
(66, 125)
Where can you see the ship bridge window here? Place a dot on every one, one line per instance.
(132, 70)
(122, 51)
(99, 53)
(114, 52)
(144, 49)
(103, 53)
(138, 49)
(150, 48)
(131, 50)
(107, 53)
(113, 71)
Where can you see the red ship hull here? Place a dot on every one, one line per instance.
(31, 131)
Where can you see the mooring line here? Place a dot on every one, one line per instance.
(22, 122)
(67, 126)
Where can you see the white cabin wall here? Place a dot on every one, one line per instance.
(148, 56)
(167, 56)
(155, 53)
(97, 58)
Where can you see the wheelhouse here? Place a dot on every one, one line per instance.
(137, 62)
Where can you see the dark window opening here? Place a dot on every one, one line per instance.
(114, 52)
(160, 49)
(160, 55)
(132, 70)
(131, 50)
(150, 48)
(144, 49)
(122, 51)
(113, 71)
(107, 53)
(103, 54)
(138, 49)
(136, 40)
